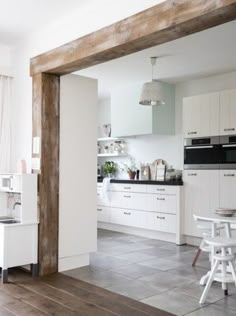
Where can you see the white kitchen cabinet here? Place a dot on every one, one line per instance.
(201, 115)
(228, 189)
(201, 197)
(129, 118)
(228, 112)
(103, 214)
(128, 217)
(161, 222)
(136, 201)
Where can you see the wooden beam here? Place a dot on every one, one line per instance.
(162, 23)
(46, 92)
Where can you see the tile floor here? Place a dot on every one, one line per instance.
(155, 272)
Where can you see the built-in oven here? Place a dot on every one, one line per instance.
(228, 152)
(202, 153)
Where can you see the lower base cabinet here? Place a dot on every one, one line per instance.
(128, 217)
(161, 222)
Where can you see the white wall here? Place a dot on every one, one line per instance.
(95, 15)
(5, 60)
(170, 148)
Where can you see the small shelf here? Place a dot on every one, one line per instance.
(111, 155)
(108, 139)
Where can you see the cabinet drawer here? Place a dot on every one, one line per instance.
(162, 189)
(126, 187)
(161, 222)
(103, 214)
(128, 217)
(99, 186)
(162, 203)
(103, 200)
(130, 200)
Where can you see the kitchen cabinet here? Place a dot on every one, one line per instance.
(129, 118)
(201, 115)
(103, 214)
(228, 112)
(201, 197)
(128, 217)
(161, 222)
(228, 189)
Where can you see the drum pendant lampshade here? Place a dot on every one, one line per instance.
(152, 92)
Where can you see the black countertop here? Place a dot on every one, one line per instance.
(172, 182)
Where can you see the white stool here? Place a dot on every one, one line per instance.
(221, 259)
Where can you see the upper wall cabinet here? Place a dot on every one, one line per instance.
(228, 112)
(129, 118)
(201, 115)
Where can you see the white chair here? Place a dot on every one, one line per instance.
(223, 268)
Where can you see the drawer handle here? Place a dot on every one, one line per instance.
(98, 194)
(127, 213)
(127, 196)
(192, 133)
(161, 190)
(229, 175)
(229, 129)
(192, 174)
(99, 210)
(127, 188)
(160, 217)
(161, 199)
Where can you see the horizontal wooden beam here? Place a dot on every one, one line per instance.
(162, 23)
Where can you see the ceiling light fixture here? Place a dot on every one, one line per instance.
(152, 92)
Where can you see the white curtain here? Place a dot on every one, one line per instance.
(5, 122)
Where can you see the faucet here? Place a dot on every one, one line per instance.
(16, 203)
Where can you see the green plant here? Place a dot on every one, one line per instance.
(109, 168)
(130, 166)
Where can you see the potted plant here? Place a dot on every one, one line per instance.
(109, 169)
(130, 168)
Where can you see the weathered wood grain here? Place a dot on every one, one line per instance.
(46, 91)
(162, 23)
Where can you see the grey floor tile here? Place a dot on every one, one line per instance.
(228, 301)
(100, 278)
(135, 271)
(194, 289)
(136, 289)
(165, 280)
(183, 257)
(159, 252)
(212, 310)
(136, 257)
(156, 243)
(131, 238)
(107, 262)
(193, 273)
(178, 249)
(173, 302)
(162, 264)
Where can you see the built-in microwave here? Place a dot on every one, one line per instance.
(228, 152)
(202, 153)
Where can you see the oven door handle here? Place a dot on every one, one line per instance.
(198, 147)
(229, 145)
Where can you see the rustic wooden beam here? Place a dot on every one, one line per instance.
(46, 92)
(162, 23)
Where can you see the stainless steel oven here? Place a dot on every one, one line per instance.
(228, 152)
(202, 153)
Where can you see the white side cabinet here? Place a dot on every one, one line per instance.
(228, 112)
(201, 115)
(201, 197)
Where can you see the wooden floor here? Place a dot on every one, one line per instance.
(62, 295)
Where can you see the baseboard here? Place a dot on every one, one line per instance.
(73, 262)
(141, 232)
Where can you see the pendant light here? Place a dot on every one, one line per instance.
(152, 92)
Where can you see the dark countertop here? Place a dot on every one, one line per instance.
(175, 182)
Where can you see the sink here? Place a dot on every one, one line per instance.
(9, 221)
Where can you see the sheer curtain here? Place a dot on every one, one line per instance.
(5, 122)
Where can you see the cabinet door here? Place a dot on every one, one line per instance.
(228, 112)
(129, 200)
(201, 115)
(128, 217)
(201, 197)
(163, 203)
(103, 214)
(228, 188)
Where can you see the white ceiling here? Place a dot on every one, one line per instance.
(205, 53)
(21, 17)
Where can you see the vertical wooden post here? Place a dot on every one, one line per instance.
(46, 101)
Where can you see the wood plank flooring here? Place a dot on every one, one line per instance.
(59, 294)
